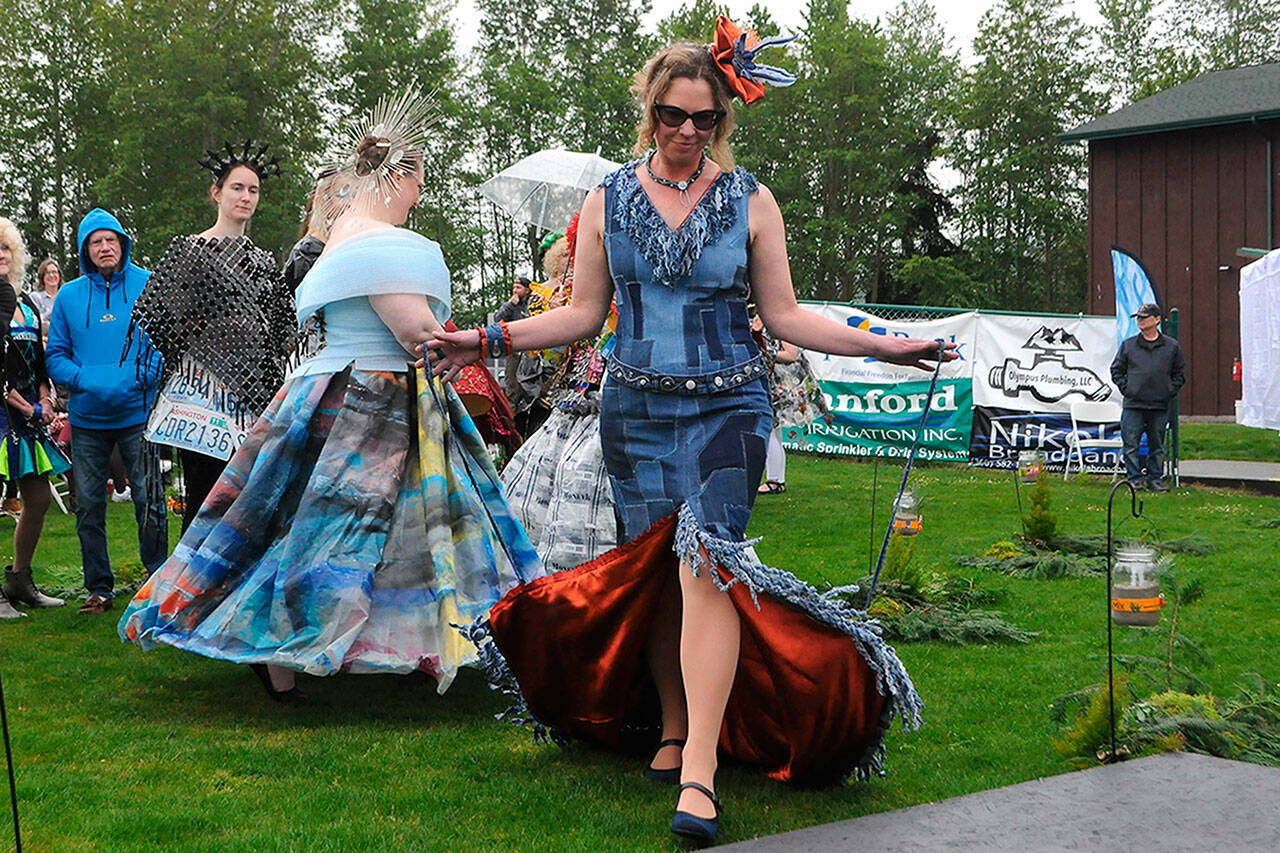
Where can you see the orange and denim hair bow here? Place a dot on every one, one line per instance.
(735, 52)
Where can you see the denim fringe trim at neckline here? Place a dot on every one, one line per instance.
(674, 253)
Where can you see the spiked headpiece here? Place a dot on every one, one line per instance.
(249, 154)
(388, 142)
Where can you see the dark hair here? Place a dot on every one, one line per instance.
(250, 154)
(221, 177)
(40, 271)
(372, 152)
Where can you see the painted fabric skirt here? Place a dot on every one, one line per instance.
(27, 450)
(350, 532)
(558, 488)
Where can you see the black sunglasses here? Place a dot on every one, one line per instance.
(675, 117)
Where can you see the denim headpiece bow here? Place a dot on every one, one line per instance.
(735, 52)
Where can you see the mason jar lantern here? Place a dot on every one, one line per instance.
(1135, 589)
(906, 515)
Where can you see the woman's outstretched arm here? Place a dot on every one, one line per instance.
(770, 274)
(581, 318)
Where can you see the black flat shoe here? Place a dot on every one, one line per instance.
(701, 830)
(293, 694)
(665, 777)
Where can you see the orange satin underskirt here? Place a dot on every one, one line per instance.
(804, 705)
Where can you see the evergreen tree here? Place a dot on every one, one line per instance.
(1039, 521)
(53, 75)
(186, 75)
(1022, 197)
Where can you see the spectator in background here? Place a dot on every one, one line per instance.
(1149, 369)
(313, 231)
(49, 281)
(515, 308)
(28, 456)
(108, 405)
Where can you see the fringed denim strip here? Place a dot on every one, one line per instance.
(502, 679)
(700, 548)
(673, 254)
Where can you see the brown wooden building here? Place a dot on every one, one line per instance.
(1183, 179)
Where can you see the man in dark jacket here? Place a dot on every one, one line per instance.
(1148, 370)
(109, 399)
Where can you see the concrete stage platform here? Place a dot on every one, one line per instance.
(1170, 802)
(1260, 477)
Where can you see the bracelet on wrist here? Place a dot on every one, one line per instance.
(480, 344)
(496, 340)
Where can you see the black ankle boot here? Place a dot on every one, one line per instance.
(19, 587)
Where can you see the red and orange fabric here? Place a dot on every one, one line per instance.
(805, 705)
(724, 48)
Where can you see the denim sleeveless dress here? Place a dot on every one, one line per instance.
(685, 415)
(684, 424)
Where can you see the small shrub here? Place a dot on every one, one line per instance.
(1003, 550)
(955, 626)
(1040, 522)
(1090, 731)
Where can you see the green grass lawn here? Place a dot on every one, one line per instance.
(1228, 441)
(121, 750)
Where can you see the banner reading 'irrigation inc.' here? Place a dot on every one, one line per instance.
(876, 407)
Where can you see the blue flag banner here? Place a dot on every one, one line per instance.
(1133, 290)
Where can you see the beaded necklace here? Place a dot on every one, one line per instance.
(682, 186)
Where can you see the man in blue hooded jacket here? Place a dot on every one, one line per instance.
(109, 400)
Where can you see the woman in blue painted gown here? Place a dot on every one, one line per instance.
(681, 238)
(362, 519)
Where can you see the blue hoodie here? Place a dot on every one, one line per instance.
(87, 334)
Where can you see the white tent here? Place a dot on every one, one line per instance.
(1260, 342)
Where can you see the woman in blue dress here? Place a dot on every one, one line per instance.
(681, 238)
(361, 519)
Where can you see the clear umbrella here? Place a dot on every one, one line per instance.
(546, 188)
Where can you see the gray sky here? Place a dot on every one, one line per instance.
(960, 17)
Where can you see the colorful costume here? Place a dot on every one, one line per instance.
(26, 448)
(794, 393)
(220, 313)
(362, 518)
(556, 482)
(684, 420)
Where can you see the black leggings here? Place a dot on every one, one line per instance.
(199, 473)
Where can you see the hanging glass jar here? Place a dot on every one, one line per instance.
(1135, 586)
(1029, 464)
(906, 515)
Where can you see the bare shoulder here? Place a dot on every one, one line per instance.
(764, 212)
(592, 215)
(763, 195)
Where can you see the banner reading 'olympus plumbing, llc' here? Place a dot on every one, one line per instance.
(1026, 373)
(876, 407)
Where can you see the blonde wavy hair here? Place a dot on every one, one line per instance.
(692, 61)
(554, 258)
(10, 237)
